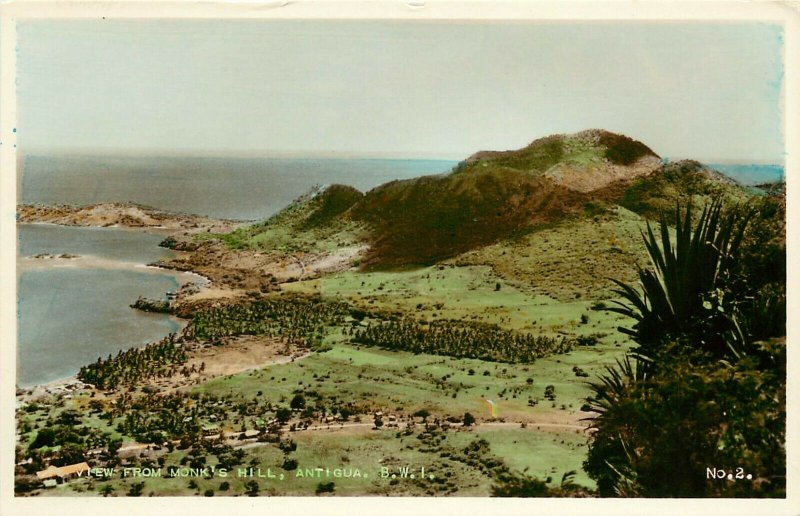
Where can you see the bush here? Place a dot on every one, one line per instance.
(252, 488)
(325, 487)
(298, 402)
(707, 385)
(136, 489)
(469, 419)
(674, 297)
(690, 416)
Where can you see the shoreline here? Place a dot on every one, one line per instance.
(56, 260)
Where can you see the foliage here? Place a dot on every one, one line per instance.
(706, 388)
(294, 318)
(332, 202)
(298, 402)
(461, 339)
(623, 150)
(674, 298)
(657, 433)
(130, 367)
(680, 181)
(325, 487)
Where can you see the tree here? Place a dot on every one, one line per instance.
(423, 413)
(252, 488)
(325, 487)
(44, 437)
(136, 489)
(691, 415)
(283, 414)
(298, 402)
(469, 419)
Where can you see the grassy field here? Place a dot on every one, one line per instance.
(353, 460)
(571, 260)
(470, 293)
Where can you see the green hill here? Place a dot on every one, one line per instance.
(490, 197)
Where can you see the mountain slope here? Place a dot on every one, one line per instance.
(490, 197)
(493, 195)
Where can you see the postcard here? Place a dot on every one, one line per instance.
(387, 257)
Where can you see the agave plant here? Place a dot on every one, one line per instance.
(612, 459)
(615, 384)
(674, 292)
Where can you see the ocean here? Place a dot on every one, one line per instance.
(233, 188)
(70, 316)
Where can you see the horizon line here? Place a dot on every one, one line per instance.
(299, 154)
(225, 153)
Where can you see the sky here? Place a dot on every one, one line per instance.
(430, 89)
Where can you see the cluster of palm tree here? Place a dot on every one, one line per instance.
(130, 367)
(296, 319)
(460, 339)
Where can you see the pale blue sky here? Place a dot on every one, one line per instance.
(706, 91)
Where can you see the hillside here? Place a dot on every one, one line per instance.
(490, 197)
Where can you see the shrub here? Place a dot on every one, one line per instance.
(469, 419)
(325, 487)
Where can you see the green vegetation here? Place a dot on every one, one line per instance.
(489, 198)
(687, 182)
(488, 283)
(296, 318)
(456, 339)
(701, 391)
(424, 220)
(676, 296)
(128, 368)
(312, 223)
(571, 259)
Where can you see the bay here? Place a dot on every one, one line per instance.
(70, 312)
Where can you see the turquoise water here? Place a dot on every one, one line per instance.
(236, 188)
(68, 317)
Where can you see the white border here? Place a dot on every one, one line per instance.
(785, 13)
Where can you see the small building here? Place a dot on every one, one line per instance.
(210, 429)
(250, 434)
(64, 472)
